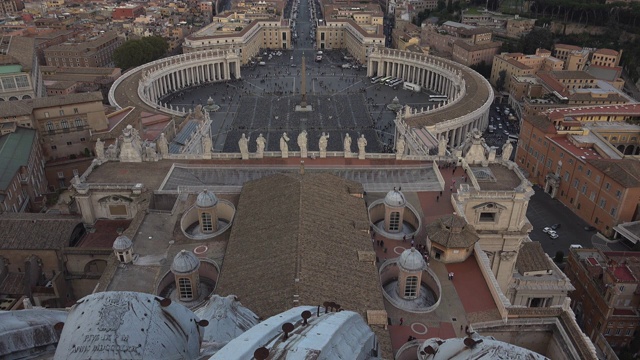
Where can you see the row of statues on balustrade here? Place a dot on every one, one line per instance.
(302, 140)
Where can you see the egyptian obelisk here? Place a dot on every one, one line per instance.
(303, 89)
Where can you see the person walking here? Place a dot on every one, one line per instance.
(401, 321)
(438, 198)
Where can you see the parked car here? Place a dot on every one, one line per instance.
(554, 236)
(551, 233)
(589, 228)
(556, 226)
(547, 229)
(575, 246)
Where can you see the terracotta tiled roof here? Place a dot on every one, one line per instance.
(531, 257)
(23, 49)
(452, 231)
(606, 52)
(25, 107)
(25, 231)
(624, 171)
(297, 237)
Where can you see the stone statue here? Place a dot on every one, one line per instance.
(150, 152)
(112, 152)
(347, 145)
(302, 143)
(131, 149)
(163, 145)
(322, 145)
(261, 142)
(284, 147)
(400, 147)
(362, 144)
(442, 146)
(199, 114)
(99, 149)
(507, 148)
(243, 144)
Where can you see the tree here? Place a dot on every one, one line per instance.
(535, 39)
(137, 52)
(502, 77)
(483, 69)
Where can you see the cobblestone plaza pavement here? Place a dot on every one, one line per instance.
(263, 101)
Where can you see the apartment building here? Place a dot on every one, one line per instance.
(22, 179)
(465, 44)
(128, 12)
(606, 297)
(96, 51)
(8, 7)
(519, 64)
(587, 158)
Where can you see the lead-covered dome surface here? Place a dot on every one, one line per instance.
(185, 262)
(206, 199)
(395, 198)
(122, 243)
(411, 260)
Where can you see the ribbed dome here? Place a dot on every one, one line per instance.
(122, 243)
(411, 260)
(395, 198)
(185, 262)
(206, 199)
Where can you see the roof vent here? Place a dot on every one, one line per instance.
(287, 328)
(261, 353)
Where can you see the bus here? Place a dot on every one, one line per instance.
(412, 87)
(375, 79)
(390, 80)
(396, 83)
(514, 138)
(384, 79)
(438, 98)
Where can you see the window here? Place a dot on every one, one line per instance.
(61, 112)
(584, 188)
(597, 179)
(53, 147)
(566, 176)
(49, 126)
(613, 211)
(607, 186)
(79, 123)
(411, 287)
(206, 223)
(592, 197)
(487, 217)
(576, 183)
(186, 292)
(607, 332)
(394, 221)
(603, 202)
(618, 194)
(68, 142)
(64, 124)
(579, 167)
(75, 110)
(618, 331)
(46, 114)
(588, 172)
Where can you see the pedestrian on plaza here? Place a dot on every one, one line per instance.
(401, 321)
(451, 188)
(412, 242)
(452, 276)
(381, 242)
(404, 238)
(438, 198)
(466, 329)
(440, 192)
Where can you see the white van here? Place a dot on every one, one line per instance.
(262, 63)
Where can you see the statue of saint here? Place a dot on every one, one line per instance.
(284, 147)
(302, 143)
(163, 145)
(243, 144)
(347, 145)
(261, 143)
(322, 145)
(507, 148)
(400, 147)
(362, 144)
(99, 149)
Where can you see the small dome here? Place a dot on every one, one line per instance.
(411, 260)
(395, 198)
(206, 199)
(185, 262)
(122, 243)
